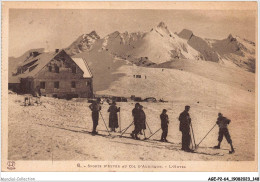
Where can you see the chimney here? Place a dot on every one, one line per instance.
(56, 50)
(35, 53)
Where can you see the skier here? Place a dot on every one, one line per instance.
(113, 119)
(185, 121)
(164, 125)
(136, 115)
(142, 120)
(95, 108)
(223, 123)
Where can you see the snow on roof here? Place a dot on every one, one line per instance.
(39, 62)
(36, 64)
(83, 66)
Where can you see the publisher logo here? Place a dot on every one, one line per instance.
(11, 165)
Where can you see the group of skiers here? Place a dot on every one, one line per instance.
(139, 122)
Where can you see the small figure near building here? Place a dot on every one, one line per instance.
(37, 95)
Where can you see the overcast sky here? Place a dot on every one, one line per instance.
(52, 29)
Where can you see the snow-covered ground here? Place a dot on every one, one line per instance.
(60, 130)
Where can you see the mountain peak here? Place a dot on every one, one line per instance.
(186, 34)
(114, 34)
(231, 37)
(94, 33)
(162, 25)
(83, 43)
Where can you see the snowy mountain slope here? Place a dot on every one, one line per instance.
(83, 43)
(199, 44)
(185, 85)
(107, 55)
(159, 45)
(223, 73)
(102, 65)
(237, 50)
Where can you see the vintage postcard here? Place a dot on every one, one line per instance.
(129, 86)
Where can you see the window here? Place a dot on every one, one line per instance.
(56, 85)
(138, 76)
(57, 69)
(73, 84)
(88, 83)
(32, 67)
(42, 85)
(73, 69)
(30, 64)
(50, 68)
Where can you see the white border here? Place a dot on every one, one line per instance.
(126, 176)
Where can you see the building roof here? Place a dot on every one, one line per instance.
(42, 60)
(36, 64)
(83, 66)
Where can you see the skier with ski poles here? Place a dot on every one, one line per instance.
(95, 108)
(185, 121)
(137, 124)
(164, 125)
(113, 119)
(142, 120)
(223, 123)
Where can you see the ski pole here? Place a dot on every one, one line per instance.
(207, 134)
(120, 122)
(193, 134)
(154, 133)
(105, 123)
(148, 127)
(192, 139)
(191, 142)
(126, 129)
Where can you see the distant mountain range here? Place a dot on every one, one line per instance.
(156, 49)
(160, 45)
